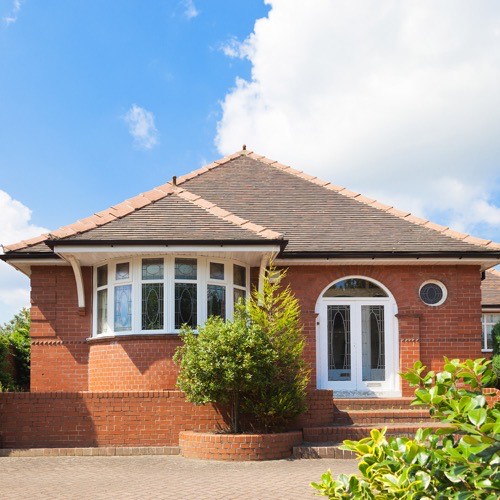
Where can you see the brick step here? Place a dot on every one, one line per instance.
(381, 416)
(348, 404)
(337, 433)
(325, 450)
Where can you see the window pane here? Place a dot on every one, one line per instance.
(216, 271)
(239, 294)
(152, 306)
(240, 275)
(102, 276)
(123, 271)
(102, 311)
(216, 301)
(185, 305)
(152, 269)
(185, 269)
(355, 287)
(489, 337)
(123, 308)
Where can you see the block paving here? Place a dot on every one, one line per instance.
(161, 477)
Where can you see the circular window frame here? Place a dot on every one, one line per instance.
(440, 285)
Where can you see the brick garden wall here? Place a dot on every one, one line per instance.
(142, 418)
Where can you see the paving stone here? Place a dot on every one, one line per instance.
(162, 477)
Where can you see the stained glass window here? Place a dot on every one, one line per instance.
(355, 287)
(102, 276)
(239, 294)
(185, 305)
(339, 343)
(123, 271)
(102, 311)
(123, 308)
(216, 271)
(216, 301)
(152, 269)
(239, 275)
(152, 306)
(185, 269)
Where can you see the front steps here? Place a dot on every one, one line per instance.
(355, 418)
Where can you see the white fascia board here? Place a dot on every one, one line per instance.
(465, 261)
(73, 250)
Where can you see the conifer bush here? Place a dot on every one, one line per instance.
(252, 364)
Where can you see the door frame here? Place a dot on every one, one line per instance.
(392, 386)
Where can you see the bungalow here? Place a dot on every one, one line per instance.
(379, 288)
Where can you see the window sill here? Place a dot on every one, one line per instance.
(130, 336)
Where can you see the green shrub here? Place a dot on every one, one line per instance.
(15, 339)
(459, 461)
(495, 333)
(253, 363)
(276, 312)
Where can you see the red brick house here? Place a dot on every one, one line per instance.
(379, 288)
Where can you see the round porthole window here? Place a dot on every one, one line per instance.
(433, 293)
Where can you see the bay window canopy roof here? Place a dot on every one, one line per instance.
(248, 203)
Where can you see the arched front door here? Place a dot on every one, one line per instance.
(357, 339)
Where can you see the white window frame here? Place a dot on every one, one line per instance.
(485, 324)
(135, 272)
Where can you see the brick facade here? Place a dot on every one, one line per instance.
(64, 360)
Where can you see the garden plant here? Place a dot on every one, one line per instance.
(253, 363)
(461, 460)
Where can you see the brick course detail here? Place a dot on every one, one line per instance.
(238, 447)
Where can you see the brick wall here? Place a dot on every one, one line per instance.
(429, 333)
(63, 360)
(59, 354)
(142, 418)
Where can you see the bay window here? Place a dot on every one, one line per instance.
(154, 294)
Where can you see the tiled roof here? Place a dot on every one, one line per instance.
(247, 196)
(490, 288)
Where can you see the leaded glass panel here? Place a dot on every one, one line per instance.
(216, 301)
(373, 343)
(185, 269)
(355, 287)
(102, 311)
(152, 306)
(185, 305)
(122, 271)
(339, 343)
(239, 295)
(216, 271)
(123, 308)
(102, 276)
(152, 269)
(239, 275)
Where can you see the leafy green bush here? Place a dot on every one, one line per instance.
(15, 339)
(495, 333)
(459, 461)
(252, 363)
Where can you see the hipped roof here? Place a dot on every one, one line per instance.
(247, 197)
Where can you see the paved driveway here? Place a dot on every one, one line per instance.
(162, 477)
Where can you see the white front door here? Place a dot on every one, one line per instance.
(356, 347)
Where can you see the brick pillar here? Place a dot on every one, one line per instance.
(409, 346)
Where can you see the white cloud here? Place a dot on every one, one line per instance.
(11, 17)
(398, 100)
(15, 225)
(190, 10)
(141, 125)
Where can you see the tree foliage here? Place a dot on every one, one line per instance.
(15, 352)
(459, 461)
(252, 363)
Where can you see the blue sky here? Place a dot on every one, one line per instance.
(100, 100)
